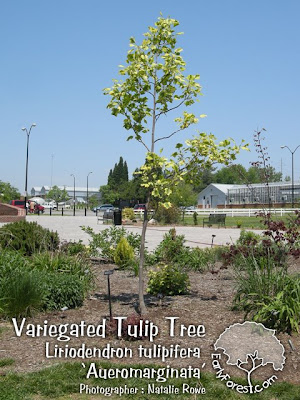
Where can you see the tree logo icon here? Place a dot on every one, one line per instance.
(248, 346)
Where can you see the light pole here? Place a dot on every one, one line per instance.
(292, 153)
(87, 189)
(26, 174)
(73, 195)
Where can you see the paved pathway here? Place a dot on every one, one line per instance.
(69, 228)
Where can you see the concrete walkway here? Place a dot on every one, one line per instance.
(69, 228)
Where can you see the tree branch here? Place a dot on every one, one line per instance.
(170, 109)
(167, 137)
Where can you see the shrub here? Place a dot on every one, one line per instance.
(169, 215)
(283, 311)
(22, 292)
(128, 213)
(105, 242)
(258, 280)
(248, 238)
(63, 290)
(170, 248)
(74, 249)
(28, 238)
(63, 264)
(124, 254)
(195, 218)
(168, 280)
(197, 259)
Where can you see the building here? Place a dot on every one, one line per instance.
(276, 193)
(80, 192)
(214, 195)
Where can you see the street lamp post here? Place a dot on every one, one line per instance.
(26, 174)
(73, 195)
(293, 188)
(87, 190)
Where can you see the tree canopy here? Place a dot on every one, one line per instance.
(8, 192)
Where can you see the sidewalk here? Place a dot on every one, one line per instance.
(69, 228)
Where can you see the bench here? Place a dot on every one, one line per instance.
(218, 219)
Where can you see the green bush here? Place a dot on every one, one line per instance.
(124, 253)
(74, 248)
(170, 248)
(258, 281)
(22, 293)
(283, 311)
(197, 259)
(45, 281)
(195, 218)
(104, 243)
(169, 215)
(28, 238)
(248, 238)
(63, 290)
(63, 264)
(128, 213)
(168, 280)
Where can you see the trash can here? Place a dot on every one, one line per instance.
(118, 217)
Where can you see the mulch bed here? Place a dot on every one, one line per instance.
(209, 303)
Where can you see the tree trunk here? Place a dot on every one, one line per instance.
(142, 305)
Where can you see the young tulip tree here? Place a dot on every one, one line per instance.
(154, 85)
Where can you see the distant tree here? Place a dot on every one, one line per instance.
(109, 194)
(8, 192)
(183, 195)
(125, 172)
(57, 195)
(287, 178)
(93, 201)
(233, 174)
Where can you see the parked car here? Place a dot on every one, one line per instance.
(104, 207)
(21, 204)
(50, 205)
(17, 203)
(140, 207)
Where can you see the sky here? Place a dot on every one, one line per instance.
(58, 56)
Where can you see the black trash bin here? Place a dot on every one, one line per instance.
(118, 217)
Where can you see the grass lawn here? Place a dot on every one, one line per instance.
(233, 222)
(62, 382)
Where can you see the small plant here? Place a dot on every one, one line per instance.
(74, 248)
(248, 238)
(28, 238)
(128, 213)
(124, 253)
(104, 243)
(197, 259)
(170, 248)
(238, 223)
(195, 218)
(168, 280)
(22, 293)
(61, 263)
(5, 362)
(283, 311)
(63, 290)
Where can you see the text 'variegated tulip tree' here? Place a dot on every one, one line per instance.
(154, 85)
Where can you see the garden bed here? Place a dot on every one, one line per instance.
(208, 303)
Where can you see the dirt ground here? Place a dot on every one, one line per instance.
(209, 303)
